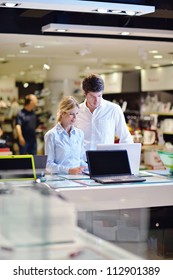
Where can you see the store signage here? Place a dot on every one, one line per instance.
(160, 78)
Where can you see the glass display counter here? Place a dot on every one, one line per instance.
(136, 217)
(36, 224)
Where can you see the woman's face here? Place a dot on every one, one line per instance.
(69, 118)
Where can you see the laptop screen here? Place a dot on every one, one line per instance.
(133, 151)
(40, 164)
(17, 167)
(108, 162)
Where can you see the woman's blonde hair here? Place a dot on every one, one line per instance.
(67, 103)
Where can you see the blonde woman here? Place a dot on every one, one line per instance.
(64, 142)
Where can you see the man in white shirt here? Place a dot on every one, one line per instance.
(100, 119)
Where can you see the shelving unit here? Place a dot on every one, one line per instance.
(167, 134)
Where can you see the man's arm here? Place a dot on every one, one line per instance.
(20, 135)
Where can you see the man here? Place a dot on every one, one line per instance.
(100, 119)
(26, 123)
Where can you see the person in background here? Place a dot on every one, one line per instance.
(64, 142)
(26, 123)
(99, 119)
(1, 132)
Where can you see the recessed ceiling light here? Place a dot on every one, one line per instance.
(61, 30)
(153, 51)
(115, 66)
(137, 67)
(39, 47)
(158, 56)
(125, 33)
(24, 51)
(46, 67)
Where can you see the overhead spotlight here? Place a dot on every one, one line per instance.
(102, 11)
(10, 5)
(158, 56)
(24, 51)
(119, 12)
(46, 66)
(131, 13)
(125, 33)
(61, 30)
(25, 85)
(124, 9)
(128, 13)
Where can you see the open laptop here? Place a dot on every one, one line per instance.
(17, 167)
(40, 165)
(110, 167)
(133, 151)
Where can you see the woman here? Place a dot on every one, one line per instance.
(64, 142)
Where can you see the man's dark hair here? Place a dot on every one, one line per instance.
(93, 83)
(27, 100)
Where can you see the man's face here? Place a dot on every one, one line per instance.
(93, 99)
(34, 102)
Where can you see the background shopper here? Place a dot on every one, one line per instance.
(26, 123)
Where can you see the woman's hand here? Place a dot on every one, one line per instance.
(76, 170)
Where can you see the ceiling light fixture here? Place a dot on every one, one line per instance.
(102, 11)
(158, 56)
(105, 30)
(125, 33)
(39, 47)
(10, 5)
(46, 67)
(24, 51)
(153, 51)
(82, 6)
(25, 85)
(61, 30)
(124, 9)
(124, 13)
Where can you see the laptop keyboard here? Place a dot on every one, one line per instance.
(118, 177)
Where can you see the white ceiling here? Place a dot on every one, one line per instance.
(87, 53)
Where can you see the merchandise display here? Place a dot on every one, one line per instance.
(167, 159)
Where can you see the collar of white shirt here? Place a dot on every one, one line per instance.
(60, 129)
